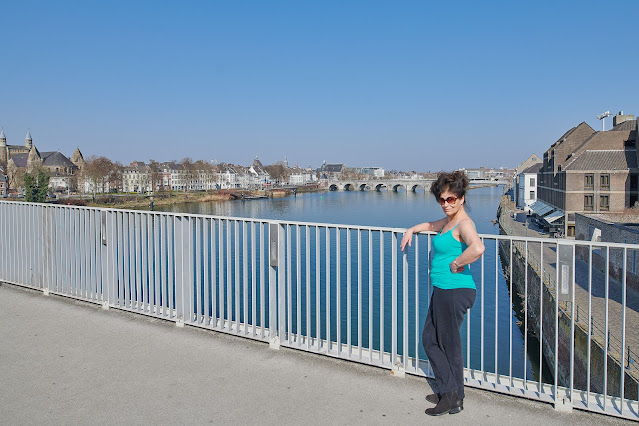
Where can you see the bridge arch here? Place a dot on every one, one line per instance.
(363, 187)
(349, 186)
(379, 186)
(397, 186)
(333, 187)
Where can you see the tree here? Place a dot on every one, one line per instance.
(154, 175)
(189, 173)
(36, 185)
(278, 171)
(97, 171)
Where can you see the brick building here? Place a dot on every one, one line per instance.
(588, 171)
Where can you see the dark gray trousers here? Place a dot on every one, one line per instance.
(441, 338)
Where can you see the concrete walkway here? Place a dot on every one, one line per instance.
(69, 362)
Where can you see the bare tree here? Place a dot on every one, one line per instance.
(97, 171)
(115, 176)
(154, 175)
(189, 173)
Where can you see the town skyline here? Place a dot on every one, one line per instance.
(403, 83)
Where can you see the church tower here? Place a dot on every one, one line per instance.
(78, 159)
(33, 160)
(4, 155)
(28, 142)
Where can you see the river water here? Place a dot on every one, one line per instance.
(502, 337)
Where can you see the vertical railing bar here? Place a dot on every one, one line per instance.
(338, 289)
(572, 330)
(370, 296)
(541, 317)
(237, 277)
(589, 322)
(206, 243)
(526, 315)
(623, 327)
(556, 384)
(289, 296)
(245, 277)
(263, 259)
(158, 263)
(328, 290)
(253, 278)
(139, 261)
(214, 281)
(359, 293)
(129, 241)
(405, 310)
(349, 324)
(308, 287)
(172, 255)
(417, 303)
(510, 323)
(606, 328)
(198, 269)
(298, 270)
(497, 308)
(393, 299)
(483, 342)
(229, 276)
(317, 287)
(145, 260)
(381, 297)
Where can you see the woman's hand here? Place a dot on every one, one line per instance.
(455, 268)
(407, 239)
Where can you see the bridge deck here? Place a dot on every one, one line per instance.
(68, 362)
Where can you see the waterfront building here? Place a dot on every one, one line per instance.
(586, 171)
(375, 172)
(331, 171)
(227, 177)
(526, 187)
(300, 176)
(259, 175)
(136, 177)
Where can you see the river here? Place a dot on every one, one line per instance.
(404, 209)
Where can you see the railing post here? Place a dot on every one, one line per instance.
(275, 246)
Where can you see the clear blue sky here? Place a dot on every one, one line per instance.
(409, 85)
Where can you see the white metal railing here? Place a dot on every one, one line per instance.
(343, 291)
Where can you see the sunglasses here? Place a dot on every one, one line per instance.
(449, 200)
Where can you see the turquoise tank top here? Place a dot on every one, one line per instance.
(446, 249)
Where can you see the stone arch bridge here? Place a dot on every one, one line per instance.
(380, 184)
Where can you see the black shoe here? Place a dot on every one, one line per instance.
(449, 403)
(433, 398)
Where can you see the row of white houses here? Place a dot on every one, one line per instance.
(170, 176)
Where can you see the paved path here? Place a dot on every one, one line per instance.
(68, 362)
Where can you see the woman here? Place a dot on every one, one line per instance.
(455, 247)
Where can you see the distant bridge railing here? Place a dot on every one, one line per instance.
(339, 290)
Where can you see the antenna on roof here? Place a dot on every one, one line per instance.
(602, 117)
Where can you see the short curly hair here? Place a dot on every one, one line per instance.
(455, 182)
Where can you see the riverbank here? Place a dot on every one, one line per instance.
(139, 201)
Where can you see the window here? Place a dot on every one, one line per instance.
(532, 195)
(532, 181)
(604, 181)
(604, 201)
(588, 199)
(589, 181)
